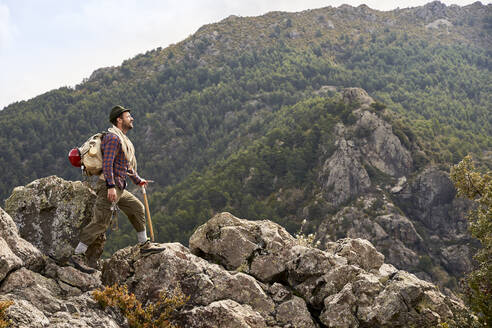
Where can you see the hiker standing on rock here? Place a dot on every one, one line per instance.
(118, 162)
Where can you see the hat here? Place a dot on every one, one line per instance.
(116, 112)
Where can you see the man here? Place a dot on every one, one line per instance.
(118, 162)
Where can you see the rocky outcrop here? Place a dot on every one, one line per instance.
(419, 225)
(380, 147)
(348, 284)
(50, 213)
(367, 146)
(379, 221)
(430, 199)
(371, 190)
(343, 176)
(357, 95)
(229, 282)
(44, 293)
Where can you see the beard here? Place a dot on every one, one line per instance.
(127, 126)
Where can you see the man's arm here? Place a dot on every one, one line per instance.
(134, 176)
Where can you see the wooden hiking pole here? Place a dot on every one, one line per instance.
(149, 220)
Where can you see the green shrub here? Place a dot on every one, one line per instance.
(4, 322)
(153, 315)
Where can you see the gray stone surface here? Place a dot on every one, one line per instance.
(50, 212)
(259, 248)
(25, 251)
(345, 286)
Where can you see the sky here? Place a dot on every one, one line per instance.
(47, 44)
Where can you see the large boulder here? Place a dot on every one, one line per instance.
(176, 268)
(359, 252)
(260, 248)
(45, 294)
(41, 301)
(50, 213)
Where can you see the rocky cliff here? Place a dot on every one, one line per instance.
(372, 188)
(237, 273)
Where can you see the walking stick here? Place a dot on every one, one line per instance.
(149, 220)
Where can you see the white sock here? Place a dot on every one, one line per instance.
(81, 248)
(142, 236)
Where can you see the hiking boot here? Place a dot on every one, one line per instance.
(147, 247)
(79, 263)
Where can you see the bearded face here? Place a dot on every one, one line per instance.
(126, 121)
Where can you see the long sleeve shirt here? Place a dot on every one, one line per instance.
(115, 165)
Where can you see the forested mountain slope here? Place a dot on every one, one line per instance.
(429, 64)
(243, 115)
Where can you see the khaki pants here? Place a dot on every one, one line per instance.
(128, 203)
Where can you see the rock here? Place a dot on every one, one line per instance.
(215, 292)
(8, 260)
(294, 34)
(279, 292)
(343, 176)
(325, 89)
(345, 286)
(400, 303)
(366, 146)
(40, 301)
(457, 258)
(344, 283)
(438, 23)
(225, 313)
(356, 95)
(400, 255)
(294, 313)
(175, 268)
(77, 279)
(392, 233)
(306, 262)
(50, 213)
(259, 248)
(392, 226)
(380, 147)
(430, 199)
(400, 228)
(359, 252)
(431, 10)
(225, 229)
(30, 256)
(51, 297)
(26, 315)
(316, 289)
(339, 309)
(35, 288)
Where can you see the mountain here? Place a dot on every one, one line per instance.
(236, 273)
(257, 116)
